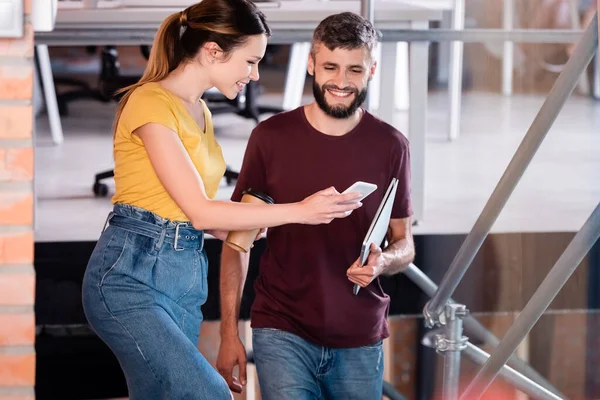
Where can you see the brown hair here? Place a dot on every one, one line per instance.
(345, 30)
(225, 22)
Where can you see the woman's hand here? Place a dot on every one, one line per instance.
(222, 235)
(326, 205)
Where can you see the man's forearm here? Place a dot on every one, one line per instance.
(234, 268)
(397, 256)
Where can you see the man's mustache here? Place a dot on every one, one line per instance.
(346, 89)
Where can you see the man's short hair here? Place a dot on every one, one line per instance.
(345, 30)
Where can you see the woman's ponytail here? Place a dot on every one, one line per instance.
(165, 56)
(228, 23)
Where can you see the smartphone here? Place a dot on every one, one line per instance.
(364, 188)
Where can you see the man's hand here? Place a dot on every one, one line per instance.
(231, 353)
(259, 235)
(364, 275)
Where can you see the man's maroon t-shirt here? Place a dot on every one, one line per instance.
(302, 285)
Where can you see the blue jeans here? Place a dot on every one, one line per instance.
(142, 292)
(289, 367)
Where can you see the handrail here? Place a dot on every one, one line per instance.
(522, 383)
(564, 86)
(452, 341)
(478, 331)
(539, 302)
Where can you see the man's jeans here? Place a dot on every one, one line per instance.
(289, 367)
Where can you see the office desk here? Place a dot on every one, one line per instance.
(114, 23)
(294, 14)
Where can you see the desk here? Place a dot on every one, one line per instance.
(293, 14)
(113, 23)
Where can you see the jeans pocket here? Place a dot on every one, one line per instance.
(112, 251)
(374, 346)
(265, 336)
(179, 275)
(124, 286)
(202, 281)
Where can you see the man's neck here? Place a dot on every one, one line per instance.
(329, 125)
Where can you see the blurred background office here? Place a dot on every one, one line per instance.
(465, 106)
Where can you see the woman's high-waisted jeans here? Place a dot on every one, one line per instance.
(142, 292)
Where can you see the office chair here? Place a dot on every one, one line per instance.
(109, 80)
(244, 105)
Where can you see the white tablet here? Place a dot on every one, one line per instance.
(379, 225)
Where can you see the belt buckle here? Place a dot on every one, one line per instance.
(177, 236)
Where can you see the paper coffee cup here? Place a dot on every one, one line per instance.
(242, 240)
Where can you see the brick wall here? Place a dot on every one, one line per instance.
(17, 280)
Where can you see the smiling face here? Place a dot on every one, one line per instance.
(341, 78)
(232, 73)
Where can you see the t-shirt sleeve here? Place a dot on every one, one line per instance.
(253, 171)
(148, 106)
(401, 171)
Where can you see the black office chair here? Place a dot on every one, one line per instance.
(110, 80)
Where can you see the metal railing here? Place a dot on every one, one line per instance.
(518, 373)
(439, 311)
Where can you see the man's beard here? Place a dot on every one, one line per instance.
(338, 111)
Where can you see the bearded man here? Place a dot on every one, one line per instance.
(313, 338)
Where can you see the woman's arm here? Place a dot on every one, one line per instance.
(178, 175)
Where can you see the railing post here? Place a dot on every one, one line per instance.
(476, 330)
(450, 345)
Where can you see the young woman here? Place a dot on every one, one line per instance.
(146, 279)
